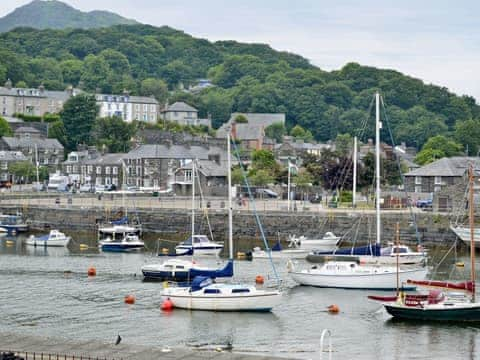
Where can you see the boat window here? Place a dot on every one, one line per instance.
(168, 267)
(240, 291)
(211, 291)
(180, 267)
(399, 250)
(187, 242)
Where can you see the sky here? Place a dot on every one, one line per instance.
(437, 41)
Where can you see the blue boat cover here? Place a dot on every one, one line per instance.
(200, 282)
(122, 221)
(42, 238)
(373, 250)
(277, 247)
(188, 252)
(227, 271)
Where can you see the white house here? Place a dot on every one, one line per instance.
(129, 108)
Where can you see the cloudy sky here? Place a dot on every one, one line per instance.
(437, 41)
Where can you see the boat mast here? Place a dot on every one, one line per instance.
(354, 189)
(193, 199)
(397, 250)
(378, 126)
(36, 164)
(472, 229)
(230, 215)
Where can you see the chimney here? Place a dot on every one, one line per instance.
(69, 90)
(126, 92)
(8, 84)
(233, 133)
(41, 88)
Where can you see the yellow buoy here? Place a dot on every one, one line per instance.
(460, 264)
(165, 251)
(9, 242)
(241, 255)
(83, 246)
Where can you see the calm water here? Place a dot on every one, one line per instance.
(46, 292)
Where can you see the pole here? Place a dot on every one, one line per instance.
(397, 252)
(378, 125)
(354, 190)
(193, 199)
(230, 215)
(288, 187)
(472, 229)
(36, 163)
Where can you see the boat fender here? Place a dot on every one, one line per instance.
(259, 279)
(333, 309)
(290, 266)
(167, 305)
(91, 271)
(129, 299)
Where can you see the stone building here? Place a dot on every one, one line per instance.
(293, 150)
(183, 114)
(6, 159)
(35, 145)
(212, 177)
(127, 107)
(75, 165)
(106, 170)
(154, 165)
(31, 101)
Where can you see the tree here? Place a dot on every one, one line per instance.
(436, 148)
(300, 133)
(156, 87)
(344, 144)
(96, 73)
(5, 129)
(241, 119)
(56, 130)
(276, 131)
(237, 176)
(263, 159)
(113, 133)
(22, 170)
(467, 133)
(78, 117)
(260, 178)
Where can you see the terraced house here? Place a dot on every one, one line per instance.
(127, 107)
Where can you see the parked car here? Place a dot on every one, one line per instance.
(267, 193)
(423, 204)
(86, 188)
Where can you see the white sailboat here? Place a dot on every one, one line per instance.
(352, 274)
(205, 295)
(463, 233)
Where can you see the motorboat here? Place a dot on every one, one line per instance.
(352, 275)
(277, 252)
(328, 242)
(201, 245)
(13, 224)
(183, 271)
(54, 238)
(130, 242)
(463, 232)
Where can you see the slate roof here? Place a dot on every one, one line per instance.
(162, 151)
(32, 92)
(143, 100)
(454, 166)
(181, 107)
(107, 159)
(126, 98)
(12, 156)
(27, 129)
(263, 119)
(208, 168)
(19, 143)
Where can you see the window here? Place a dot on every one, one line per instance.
(145, 107)
(75, 169)
(188, 175)
(438, 180)
(115, 181)
(99, 169)
(139, 170)
(152, 107)
(45, 161)
(107, 170)
(418, 189)
(437, 188)
(69, 169)
(418, 180)
(137, 107)
(4, 165)
(114, 170)
(89, 169)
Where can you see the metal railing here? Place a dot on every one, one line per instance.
(29, 355)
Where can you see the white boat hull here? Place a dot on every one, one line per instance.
(55, 242)
(464, 234)
(213, 251)
(375, 260)
(196, 300)
(282, 254)
(382, 280)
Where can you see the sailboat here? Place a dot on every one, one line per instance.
(459, 305)
(353, 274)
(185, 270)
(203, 294)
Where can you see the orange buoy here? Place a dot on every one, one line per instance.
(130, 299)
(91, 271)
(167, 305)
(259, 279)
(333, 309)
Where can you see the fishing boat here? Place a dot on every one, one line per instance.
(118, 229)
(356, 275)
(54, 238)
(130, 242)
(328, 242)
(203, 294)
(186, 270)
(446, 304)
(13, 224)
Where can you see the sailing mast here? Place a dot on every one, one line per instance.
(472, 229)
(193, 199)
(378, 126)
(230, 215)
(354, 188)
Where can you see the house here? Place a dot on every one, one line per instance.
(294, 149)
(35, 146)
(183, 114)
(251, 134)
(212, 177)
(127, 107)
(106, 170)
(32, 101)
(154, 165)
(6, 159)
(75, 165)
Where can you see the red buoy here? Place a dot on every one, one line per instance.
(167, 305)
(259, 279)
(130, 299)
(333, 309)
(91, 271)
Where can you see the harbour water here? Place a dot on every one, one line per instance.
(46, 291)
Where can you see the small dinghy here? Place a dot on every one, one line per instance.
(54, 238)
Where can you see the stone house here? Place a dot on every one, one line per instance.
(183, 114)
(31, 101)
(212, 176)
(154, 165)
(105, 170)
(293, 150)
(6, 159)
(74, 167)
(32, 143)
(127, 107)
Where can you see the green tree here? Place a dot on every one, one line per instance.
(263, 159)
(22, 170)
(5, 129)
(240, 119)
(429, 155)
(96, 73)
(436, 148)
(78, 117)
(344, 144)
(156, 87)
(56, 130)
(467, 133)
(114, 133)
(261, 178)
(300, 133)
(276, 131)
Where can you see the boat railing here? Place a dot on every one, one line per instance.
(326, 333)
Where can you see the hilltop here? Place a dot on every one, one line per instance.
(53, 14)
